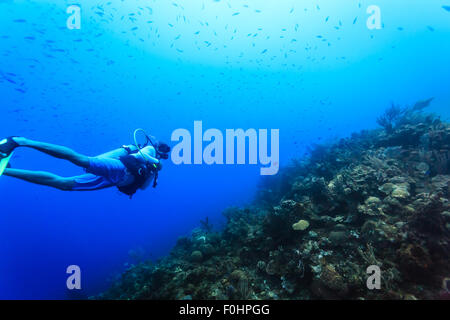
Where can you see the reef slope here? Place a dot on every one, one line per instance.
(379, 197)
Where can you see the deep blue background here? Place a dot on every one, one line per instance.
(275, 65)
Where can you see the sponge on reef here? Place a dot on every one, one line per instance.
(300, 225)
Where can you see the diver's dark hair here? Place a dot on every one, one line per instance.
(163, 148)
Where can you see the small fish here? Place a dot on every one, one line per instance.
(264, 51)
(236, 13)
(430, 28)
(447, 8)
(422, 104)
(354, 21)
(19, 20)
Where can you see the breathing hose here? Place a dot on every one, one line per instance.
(148, 140)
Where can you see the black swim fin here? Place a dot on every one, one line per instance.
(7, 146)
(4, 162)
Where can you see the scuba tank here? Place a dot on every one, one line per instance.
(143, 171)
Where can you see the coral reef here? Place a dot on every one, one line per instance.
(301, 225)
(378, 198)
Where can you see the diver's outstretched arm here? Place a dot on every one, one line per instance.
(42, 178)
(117, 153)
(56, 151)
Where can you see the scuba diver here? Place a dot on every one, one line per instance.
(129, 168)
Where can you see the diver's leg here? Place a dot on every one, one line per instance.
(42, 178)
(56, 151)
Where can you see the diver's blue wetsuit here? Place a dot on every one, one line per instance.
(102, 173)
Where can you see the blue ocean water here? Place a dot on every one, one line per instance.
(312, 69)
